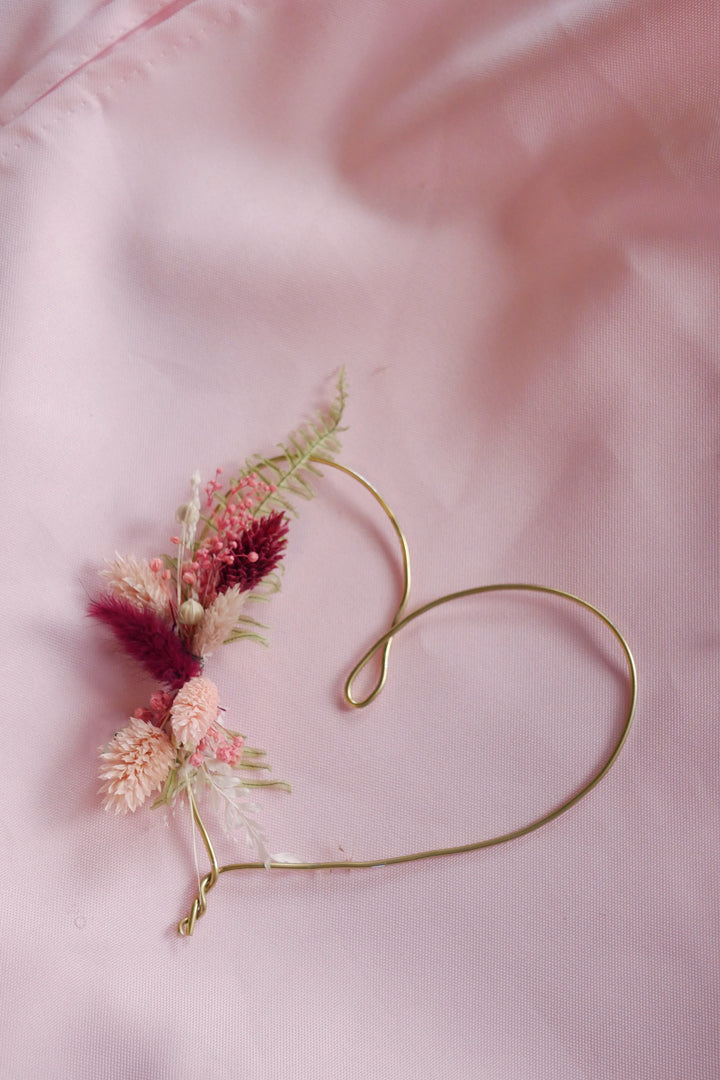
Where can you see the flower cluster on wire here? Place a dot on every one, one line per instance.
(170, 613)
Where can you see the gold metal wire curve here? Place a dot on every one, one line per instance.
(187, 925)
(405, 556)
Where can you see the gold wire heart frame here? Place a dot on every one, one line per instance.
(384, 642)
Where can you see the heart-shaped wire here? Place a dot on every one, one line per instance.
(400, 620)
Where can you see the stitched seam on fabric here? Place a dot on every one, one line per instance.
(171, 51)
(84, 59)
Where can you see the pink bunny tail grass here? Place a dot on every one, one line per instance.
(219, 621)
(150, 640)
(135, 763)
(194, 710)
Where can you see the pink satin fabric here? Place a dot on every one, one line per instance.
(502, 219)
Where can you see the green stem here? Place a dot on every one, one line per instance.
(268, 783)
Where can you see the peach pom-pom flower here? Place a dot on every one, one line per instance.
(135, 764)
(195, 708)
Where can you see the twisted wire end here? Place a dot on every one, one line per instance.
(186, 925)
(199, 905)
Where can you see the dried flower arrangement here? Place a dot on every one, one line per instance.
(171, 612)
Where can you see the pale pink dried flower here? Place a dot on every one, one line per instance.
(194, 710)
(218, 622)
(134, 580)
(136, 763)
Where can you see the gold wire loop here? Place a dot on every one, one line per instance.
(399, 622)
(405, 557)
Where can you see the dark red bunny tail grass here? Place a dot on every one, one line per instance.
(150, 640)
(259, 551)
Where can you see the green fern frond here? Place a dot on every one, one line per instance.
(290, 473)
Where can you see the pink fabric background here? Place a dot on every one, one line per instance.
(503, 220)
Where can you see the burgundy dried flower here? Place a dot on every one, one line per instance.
(146, 637)
(260, 547)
